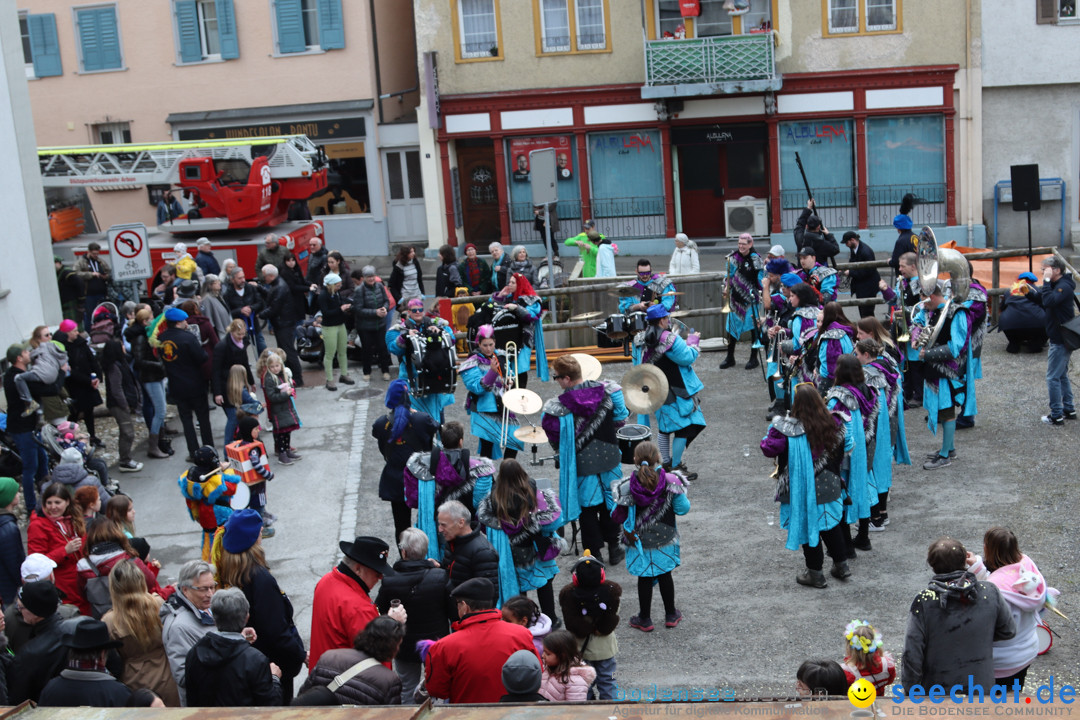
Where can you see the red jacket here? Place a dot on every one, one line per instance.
(466, 665)
(341, 608)
(46, 537)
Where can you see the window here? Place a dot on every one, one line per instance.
(555, 25)
(98, 35)
(860, 17)
(24, 34)
(828, 147)
(308, 25)
(41, 49)
(571, 25)
(1055, 11)
(478, 36)
(591, 27)
(627, 173)
(905, 154)
(716, 18)
(115, 133)
(713, 20)
(205, 30)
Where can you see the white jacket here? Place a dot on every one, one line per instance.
(684, 261)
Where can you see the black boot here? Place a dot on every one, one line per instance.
(615, 554)
(729, 361)
(752, 362)
(165, 445)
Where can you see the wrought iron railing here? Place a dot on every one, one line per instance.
(712, 60)
(615, 218)
(838, 207)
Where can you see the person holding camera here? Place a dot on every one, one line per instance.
(1056, 296)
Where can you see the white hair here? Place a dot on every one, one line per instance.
(269, 270)
(456, 510)
(413, 543)
(492, 246)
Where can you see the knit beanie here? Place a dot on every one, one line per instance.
(71, 456)
(521, 674)
(8, 490)
(245, 426)
(242, 530)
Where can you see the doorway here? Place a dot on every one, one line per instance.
(479, 191)
(405, 213)
(717, 164)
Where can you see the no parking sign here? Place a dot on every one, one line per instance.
(130, 252)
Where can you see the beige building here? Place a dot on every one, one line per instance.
(692, 123)
(138, 71)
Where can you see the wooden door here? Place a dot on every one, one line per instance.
(479, 194)
(701, 190)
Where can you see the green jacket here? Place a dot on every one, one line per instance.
(588, 253)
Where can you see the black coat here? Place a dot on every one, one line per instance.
(252, 298)
(228, 672)
(903, 245)
(417, 437)
(397, 279)
(824, 244)
(1057, 300)
(317, 267)
(366, 301)
(16, 423)
(864, 283)
(423, 591)
(471, 556)
(378, 685)
(226, 354)
(79, 688)
(280, 308)
(38, 662)
(330, 307)
(147, 365)
(184, 358)
(83, 365)
(272, 619)
(11, 557)
(298, 289)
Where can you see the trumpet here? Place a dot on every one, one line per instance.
(510, 368)
(727, 298)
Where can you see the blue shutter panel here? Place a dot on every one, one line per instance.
(100, 39)
(88, 40)
(187, 31)
(110, 38)
(226, 17)
(331, 25)
(44, 45)
(290, 26)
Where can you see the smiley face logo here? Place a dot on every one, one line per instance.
(862, 693)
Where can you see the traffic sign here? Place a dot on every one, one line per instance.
(130, 252)
(542, 176)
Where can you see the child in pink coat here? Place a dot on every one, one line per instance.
(566, 677)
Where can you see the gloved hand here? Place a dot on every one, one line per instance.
(693, 340)
(490, 377)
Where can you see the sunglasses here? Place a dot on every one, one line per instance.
(559, 377)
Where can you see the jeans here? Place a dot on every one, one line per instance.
(409, 672)
(257, 338)
(154, 393)
(35, 464)
(1057, 380)
(605, 678)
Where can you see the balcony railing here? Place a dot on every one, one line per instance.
(710, 65)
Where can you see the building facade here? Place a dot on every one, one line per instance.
(131, 71)
(701, 126)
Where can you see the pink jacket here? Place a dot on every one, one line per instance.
(576, 690)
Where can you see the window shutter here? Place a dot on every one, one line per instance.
(109, 34)
(89, 41)
(1046, 12)
(226, 18)
(44, 45)
(187, 31)
(331, 25)
(290, 26)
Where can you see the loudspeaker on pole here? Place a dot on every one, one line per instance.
(1025, 187)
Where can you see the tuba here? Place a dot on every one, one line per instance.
(932, 261)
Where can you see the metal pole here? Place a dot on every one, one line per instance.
(551, 264)
(1029, 242)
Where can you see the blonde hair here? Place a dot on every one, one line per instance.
(236, 327)
(234, 389)
(269, 355)
(235, 569)
(35, 341)
(134, 609)
(143, 315)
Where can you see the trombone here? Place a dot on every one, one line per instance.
(510, 367)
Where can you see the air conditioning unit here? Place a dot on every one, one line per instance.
(750, 216)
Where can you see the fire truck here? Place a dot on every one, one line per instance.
(231, 185)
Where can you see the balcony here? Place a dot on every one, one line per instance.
(731, 64)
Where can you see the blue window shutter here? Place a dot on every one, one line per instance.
(187, 31)
(100, 39)
(89, 41)
(110, 38)
(290, 26)
(226, 18)
(331, 25)
(44, 45)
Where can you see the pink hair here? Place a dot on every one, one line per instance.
(746, 236)
(484, 332)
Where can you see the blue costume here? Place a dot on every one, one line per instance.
(658, 289)
(527, 549)
(529, 314)
(434, 332)
(883, 376)
(856, 412)
(822, 278)
(831, 343)
(947, 371)
(432, 478)
(648, 521)
(486, 384)
(744, 274)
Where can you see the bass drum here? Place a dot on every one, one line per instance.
(507, 329)
(616, 327)
(433, 364)
(1046, 638)
(629, 437)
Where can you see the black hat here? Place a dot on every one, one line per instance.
(370, 552)
(40, 597)
(206, 458)
(851, 235)
(477, 588)
(186, 289)
(813, 221)
(807, 251)
(91, 635)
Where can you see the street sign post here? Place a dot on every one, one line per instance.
(545, 192)
(130, 252)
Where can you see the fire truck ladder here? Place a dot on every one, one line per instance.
(288, 156)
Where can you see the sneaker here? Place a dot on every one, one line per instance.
(284, 459)
(268, 532)
(32, 407)
(1051, 420)
(346, 380)
(291, 452)
(931, 456)
(130, 466)
(673, 619)
(642, 624)
(937, 462)
(862, 544)
(1070, 414)
(386, 376)
(331, 386)
(366, 376)
(877, 525)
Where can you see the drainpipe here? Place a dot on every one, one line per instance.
(375, 56)
(970, 131)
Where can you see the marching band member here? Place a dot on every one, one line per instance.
(835, 337)
(883, 375)
(855, 407)
(518, 296)
(651, 289)
(945, 369)
(902, 299)
(976, 304)
(779, 314)
(809, 448)
(445, 474)
(743, 293)
(484, 374)
(805, 299)
(580, 424)
(821, 277)
(431, 330)
(681, 413)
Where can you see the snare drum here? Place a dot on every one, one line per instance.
(638, 322)
(1045, 637)
(629, 437)
(433, 363)
(617, 327)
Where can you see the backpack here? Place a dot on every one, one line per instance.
(97, 592)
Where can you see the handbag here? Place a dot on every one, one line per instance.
(352, 672)
(1070, 331)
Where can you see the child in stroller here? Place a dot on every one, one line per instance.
(72, 472)
(67, 435)
(309, 342)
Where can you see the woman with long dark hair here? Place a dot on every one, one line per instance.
(57, 531)
(521, 522)
(406, 278)
(809, 449)
(855, 405)
(835, 337)
(400, 432)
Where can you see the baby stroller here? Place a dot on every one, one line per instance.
(309, 342)
(50, 439)
(105, 324)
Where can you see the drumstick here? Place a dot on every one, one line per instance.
(1056, 610)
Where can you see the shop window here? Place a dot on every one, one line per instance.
(478, 33)
(860, 17)
(627, 173)
(40, 46)
(205, 30)
(826, 148)
(308, 25)
(905, 154)
(566, 162)
(98, 34)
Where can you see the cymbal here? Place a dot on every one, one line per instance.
(624, 291)
(679, 313)
(671, 293)
(522, 402)
(531, 435)
(590, 366)
(587, 315)
(645, 388)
